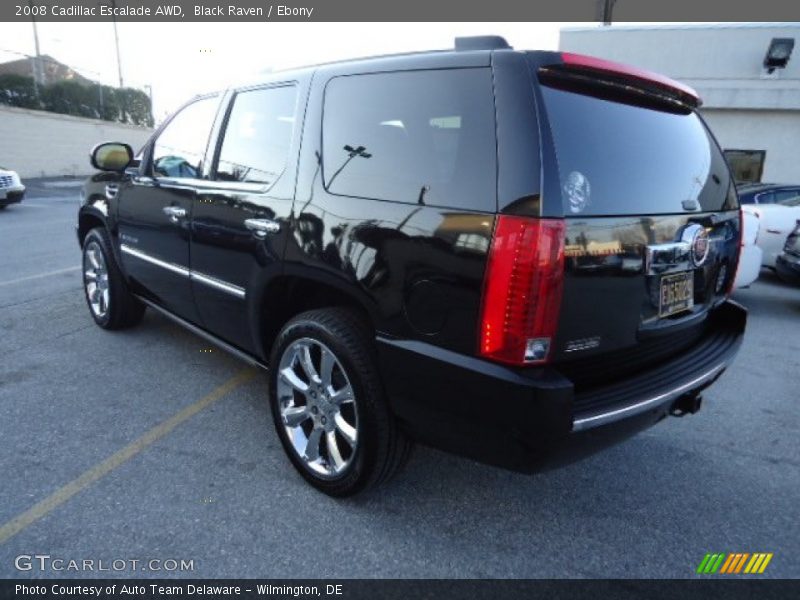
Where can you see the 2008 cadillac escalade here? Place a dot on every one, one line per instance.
(509, 255)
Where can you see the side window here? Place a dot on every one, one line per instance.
(784, 195)
(423, 137)
(179, 149)
(765, 198)
(255, 146)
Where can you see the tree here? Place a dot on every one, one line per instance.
(122, 105)
(18, 90)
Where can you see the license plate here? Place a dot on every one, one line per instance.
(676, 294)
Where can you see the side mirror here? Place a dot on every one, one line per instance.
(111, 156)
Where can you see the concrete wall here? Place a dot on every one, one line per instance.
(746, 108)
(777, 132)
(40, 144)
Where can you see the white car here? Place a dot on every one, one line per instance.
(777, 222)
(751, 255)
(11, 188)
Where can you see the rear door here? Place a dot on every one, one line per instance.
(155, 209)
(652, 225)
(240, 218)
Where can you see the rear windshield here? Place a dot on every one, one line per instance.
(621, 159)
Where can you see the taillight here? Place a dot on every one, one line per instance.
(522, 290)
(739, 244)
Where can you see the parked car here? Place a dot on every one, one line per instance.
(787, 265)
(777, 222)
(766, 193)
(11, 189)
(751, 255)
(395, 242)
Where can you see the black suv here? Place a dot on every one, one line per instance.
(494, 252)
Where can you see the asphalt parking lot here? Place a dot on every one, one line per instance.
(209, 482)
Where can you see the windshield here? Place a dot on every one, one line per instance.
(621, 159)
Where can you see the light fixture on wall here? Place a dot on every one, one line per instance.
(778, 54)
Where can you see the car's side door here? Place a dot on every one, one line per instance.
(241, 214)
(155, 209)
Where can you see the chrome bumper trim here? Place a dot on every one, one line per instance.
(584, 423)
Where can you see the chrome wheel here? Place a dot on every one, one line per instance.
(95, 279)
(317, 407)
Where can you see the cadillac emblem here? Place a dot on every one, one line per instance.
(696, 237)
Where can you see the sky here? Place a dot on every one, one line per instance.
(180, 60)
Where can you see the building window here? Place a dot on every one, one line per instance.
(746, 165)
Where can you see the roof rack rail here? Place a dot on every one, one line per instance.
(482, 42)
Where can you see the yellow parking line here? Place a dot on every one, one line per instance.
(61, 495)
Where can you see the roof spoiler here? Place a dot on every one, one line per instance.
(612, 73)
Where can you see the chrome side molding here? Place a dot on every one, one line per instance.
(218, 284)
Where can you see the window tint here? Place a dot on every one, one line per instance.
(423, 136)
(258, 134)
(622, 159)
(179, 149)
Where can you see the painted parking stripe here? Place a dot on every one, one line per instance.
(40, 275)
(87, 478)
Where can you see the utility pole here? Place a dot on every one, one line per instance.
(116, 40)
(37, 62)
(603, 11)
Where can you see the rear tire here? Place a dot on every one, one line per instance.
(110, 303)
(328, 403)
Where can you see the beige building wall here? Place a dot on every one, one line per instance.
(43, 144)
(746, 107)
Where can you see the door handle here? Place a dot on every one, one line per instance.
(174, 213)
(261, 227)
(112, 189)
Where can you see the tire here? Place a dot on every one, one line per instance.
(367, 447)
(110, 303)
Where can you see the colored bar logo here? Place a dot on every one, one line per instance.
(734, 563)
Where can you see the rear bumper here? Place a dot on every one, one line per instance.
(529, 419)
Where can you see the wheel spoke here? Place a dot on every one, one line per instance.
(294, 415)
(342, 395)
(304, 356)
(348, 431)
(106, 297)
(327, 361)
(91, 275)
(290, 377)
(333, 451)
(92, 254)
(312, 445)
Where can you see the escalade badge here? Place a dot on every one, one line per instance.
(697, 238)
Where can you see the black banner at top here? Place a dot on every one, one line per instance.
(400, 10)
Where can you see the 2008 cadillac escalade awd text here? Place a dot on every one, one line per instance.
(515, 256)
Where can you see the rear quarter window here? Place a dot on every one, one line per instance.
(622, 159)
(418, 137)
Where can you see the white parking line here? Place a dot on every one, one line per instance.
(39, 276)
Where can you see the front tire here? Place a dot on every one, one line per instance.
(328, 403)
(110, 303)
